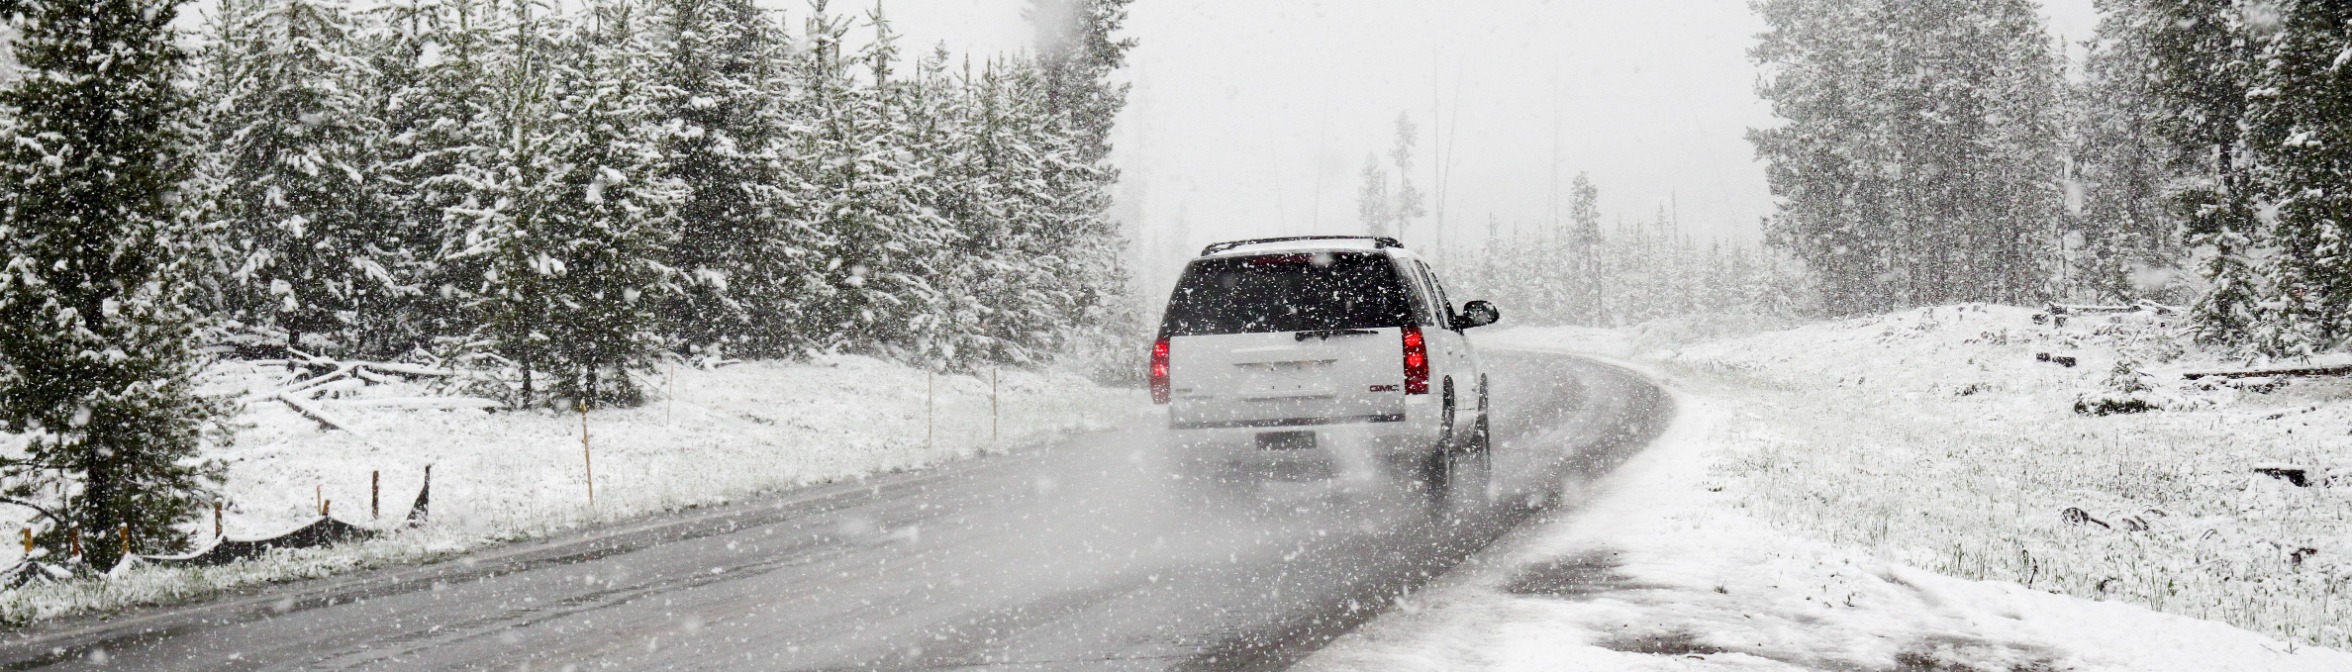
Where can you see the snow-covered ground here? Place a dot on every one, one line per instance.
(725, 433)
(1894, 493)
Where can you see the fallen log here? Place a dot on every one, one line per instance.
(2271, 373)
(315, 415)
(307, 384)
(420, 403)
(2295, 474)
(410, 370)
(2146, 306)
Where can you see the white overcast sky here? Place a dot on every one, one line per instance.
(1253, 117)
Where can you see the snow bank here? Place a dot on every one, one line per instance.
(1920, 491)
(724, 434)
(1668, 567)
(1942, 438)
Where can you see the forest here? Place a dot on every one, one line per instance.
(2193, 153)
(1939, 152)
(554, 196)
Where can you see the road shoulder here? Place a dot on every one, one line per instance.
(1664, 569)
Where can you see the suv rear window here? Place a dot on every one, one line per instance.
(1287, 292)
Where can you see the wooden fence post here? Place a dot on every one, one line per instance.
(77, 542)
(930, 395)
(216, 519)
(375, 493)
(587, 460)
(126, 540)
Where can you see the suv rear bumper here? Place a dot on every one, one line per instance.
(1235, 446)
(1290, 422)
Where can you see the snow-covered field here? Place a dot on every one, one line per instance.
(1893, 493)
(725, 433)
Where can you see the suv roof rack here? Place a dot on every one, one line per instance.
(1378, 242)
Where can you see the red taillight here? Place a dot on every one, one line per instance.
(1416, 362)
(1159, 372)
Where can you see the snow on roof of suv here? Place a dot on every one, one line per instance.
(1262, 245)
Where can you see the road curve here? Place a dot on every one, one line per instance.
(1084, 555)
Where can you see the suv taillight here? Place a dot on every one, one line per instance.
(1159, 372)
(1416, 362)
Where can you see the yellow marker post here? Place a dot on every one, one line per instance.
(586, 459)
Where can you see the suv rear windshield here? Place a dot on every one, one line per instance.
(1287, 292)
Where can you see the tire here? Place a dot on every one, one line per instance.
(1482, 434)
(1455, 476)
(1445, 422)
(1454, 480)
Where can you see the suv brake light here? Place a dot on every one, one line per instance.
(1159, 372)
(1416, 362)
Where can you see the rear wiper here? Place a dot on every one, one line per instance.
(1328, 333)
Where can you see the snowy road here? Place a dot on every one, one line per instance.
(1085, 555)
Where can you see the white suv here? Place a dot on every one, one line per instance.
(1273, 349)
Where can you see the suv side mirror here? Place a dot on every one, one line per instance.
(1477, 314)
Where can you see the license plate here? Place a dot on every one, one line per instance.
(1286, 440)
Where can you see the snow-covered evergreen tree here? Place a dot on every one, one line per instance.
(2197, 60)
(1372, 201)
(2299, 137)
(576, 216)
(2125, 241)
(861, 181)
(434, 63)
(1919, 163)
(293, 198)
(1400, 155)
(1078, 49)
(1584, 253)
(716, 74)
(97, 360)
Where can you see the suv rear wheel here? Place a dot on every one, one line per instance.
(1481, 436)
(1455, 476)
(1445, 418)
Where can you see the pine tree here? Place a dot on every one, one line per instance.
(860, 182)
(2299, 138)
(1077, 102)
(2123, 168)
(293, 198)
(435, 63)
(2198, 60)
(1077, 51)
(1918, 164)
(714, 75)
(1400, 154)
(579, 210)
(1372, 201)
(97, 365)
(1584, 213)
(1834, 210)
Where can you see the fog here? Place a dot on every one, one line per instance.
(1256, 118)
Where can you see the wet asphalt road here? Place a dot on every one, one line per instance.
(1086, 555)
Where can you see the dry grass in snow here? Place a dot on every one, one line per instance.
(1941, 439)
(1661, 569)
